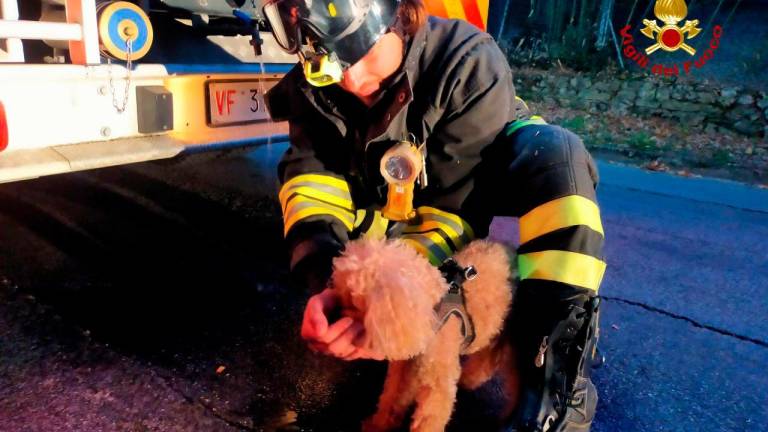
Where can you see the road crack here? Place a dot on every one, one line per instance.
(207, 407)
(691, 321)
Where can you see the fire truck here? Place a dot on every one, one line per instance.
(81, 88)
(86, 84)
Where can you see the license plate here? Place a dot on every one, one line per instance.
(237, 102)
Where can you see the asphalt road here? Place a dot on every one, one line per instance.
(154, 297)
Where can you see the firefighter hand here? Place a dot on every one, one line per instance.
(341, 338)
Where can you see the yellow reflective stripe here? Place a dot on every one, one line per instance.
(300, 207)
(320, 195)
(424, 210)
(420, 249)
(459, 239)
(560, 213)
(300, 202)
(313, 195)
(517, 124)
(378, 228)
(439, 240)
(434, 242)
(287, 192)
(314, 212)
(360, 217)
(453, 226)
(431, 233)
(562, 266)
(434, 253)
(318, 178)
(521, 100)
(322, 187)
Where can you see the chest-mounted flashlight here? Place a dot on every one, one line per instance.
(401, 166)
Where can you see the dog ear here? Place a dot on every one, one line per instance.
(351, 273)
(400, 289)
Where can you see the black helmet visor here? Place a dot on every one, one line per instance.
(346, 28)
(368, 21)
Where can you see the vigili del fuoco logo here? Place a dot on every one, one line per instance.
(670, 37)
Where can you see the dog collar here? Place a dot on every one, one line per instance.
(453, 302)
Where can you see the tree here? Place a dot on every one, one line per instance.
(576, 32)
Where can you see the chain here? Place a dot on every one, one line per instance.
(129, 65)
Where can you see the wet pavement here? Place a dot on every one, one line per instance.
(155, 297)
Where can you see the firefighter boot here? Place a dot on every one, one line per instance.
(556, 338)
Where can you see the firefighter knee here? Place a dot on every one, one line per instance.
(555, 159)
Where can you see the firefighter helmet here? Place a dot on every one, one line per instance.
(329, 35)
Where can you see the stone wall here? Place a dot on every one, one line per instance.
(703, 105)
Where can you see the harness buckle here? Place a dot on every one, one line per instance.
(453, 302)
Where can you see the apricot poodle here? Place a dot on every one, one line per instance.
(393, 291)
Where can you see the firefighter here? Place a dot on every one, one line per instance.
(406, 125)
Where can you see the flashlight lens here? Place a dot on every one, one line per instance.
(399, 168)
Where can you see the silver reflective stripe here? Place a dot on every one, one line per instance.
(304, 203)
(331, 190)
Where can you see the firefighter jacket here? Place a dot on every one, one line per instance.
(454, 92)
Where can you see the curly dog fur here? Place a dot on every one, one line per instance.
(393, 291)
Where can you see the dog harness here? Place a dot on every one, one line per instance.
(453, 302)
